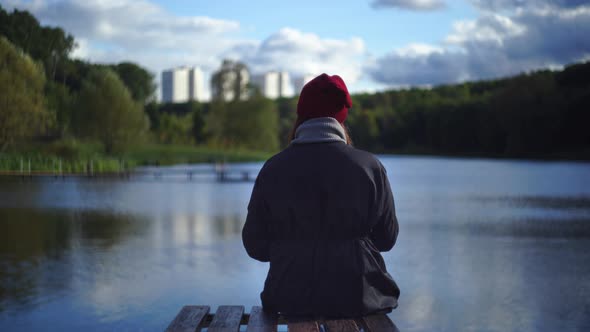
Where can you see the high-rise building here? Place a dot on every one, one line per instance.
(274, 84)
(285, 85)
(182, 84)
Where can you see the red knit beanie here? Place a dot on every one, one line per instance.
(324, 96)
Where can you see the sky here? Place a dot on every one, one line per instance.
(373, 44)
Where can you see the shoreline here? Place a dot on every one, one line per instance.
(41, 160)
(87, 160)
(566, 156)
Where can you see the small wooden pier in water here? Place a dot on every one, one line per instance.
(220, 174)
(231, 318)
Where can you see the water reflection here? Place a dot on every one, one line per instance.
(484, 245)
(39, 249)
(542, 202)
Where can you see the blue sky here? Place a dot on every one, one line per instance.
(382, 30)
(372, 44)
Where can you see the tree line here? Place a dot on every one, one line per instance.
(539, 114)
(51, 96)
(47, 95)
(72, 98)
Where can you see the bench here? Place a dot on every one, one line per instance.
(230, 318)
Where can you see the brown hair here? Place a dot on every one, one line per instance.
(300, 120)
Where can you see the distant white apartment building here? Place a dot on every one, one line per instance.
(274, 84)
(301, 81)
(182, 84)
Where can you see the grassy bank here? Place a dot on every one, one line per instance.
(158, 154)
(75, 157)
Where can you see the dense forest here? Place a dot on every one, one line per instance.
(540, 114)
(36, 65)
(113, 104)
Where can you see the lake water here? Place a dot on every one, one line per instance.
(484, 245)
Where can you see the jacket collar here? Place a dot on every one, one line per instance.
(319, 130)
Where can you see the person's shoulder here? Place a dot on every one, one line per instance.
(277, 157)
(365, 158)
(274, 161)
(352, 156)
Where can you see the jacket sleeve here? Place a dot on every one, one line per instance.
(386, 228)
(255, 234)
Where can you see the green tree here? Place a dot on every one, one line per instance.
(106, 111)
(152, 110)
(229, 83)
(49, 45)
(287, 108)
(138, 80)
(22, 103)
(198, 124)
(174, 129)
(74, 72)
(251, 124)
(364, 128)
(59, 104)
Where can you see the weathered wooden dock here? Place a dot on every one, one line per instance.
(188, 174)
(231, 318)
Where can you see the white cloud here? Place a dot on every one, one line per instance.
(487, 28)
(138, 31)
(508, 5)
(145, 33)
(417, 49)
(82, 50)
(508, 37)
(303, 53)
(494, 45)
(420, 5)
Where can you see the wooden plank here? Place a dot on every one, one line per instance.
(343, 325)
(303, 327)
(188, 319)
(227, 318)
(379, 323)
(261, 321)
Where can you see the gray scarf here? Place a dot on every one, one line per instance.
(319, 130)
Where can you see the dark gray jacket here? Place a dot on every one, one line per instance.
(320, 213)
